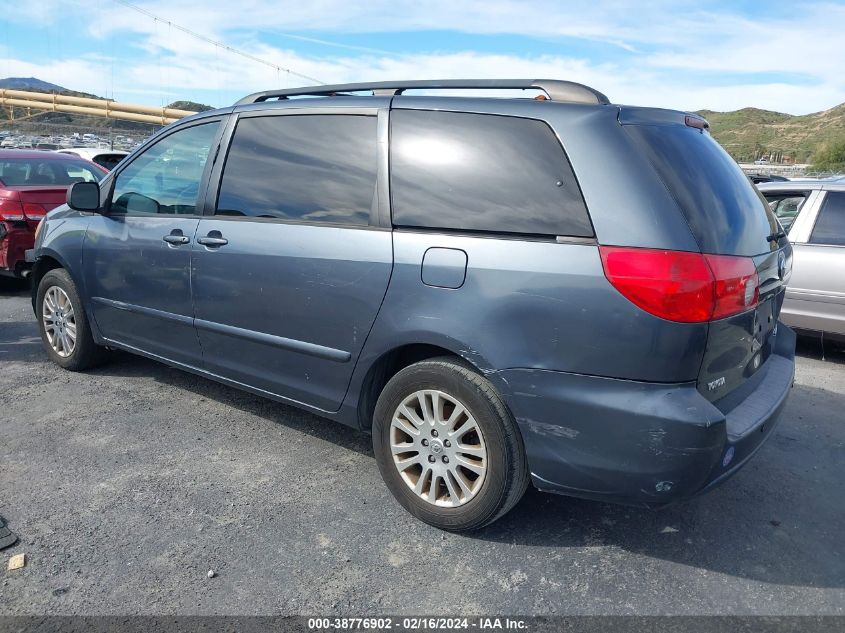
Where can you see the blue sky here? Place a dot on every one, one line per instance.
(784, 56)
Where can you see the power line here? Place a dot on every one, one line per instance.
(208, 40)
(353, 47)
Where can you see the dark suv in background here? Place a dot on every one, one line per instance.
(558, 289)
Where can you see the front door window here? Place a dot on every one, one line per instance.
(165, 179)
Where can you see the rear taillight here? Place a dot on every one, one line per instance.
(11, 210)
(34, 211)
(736, 284)
(682, 286)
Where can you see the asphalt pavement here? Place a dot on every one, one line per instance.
(127, 484)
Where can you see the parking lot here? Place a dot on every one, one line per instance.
(129, 483)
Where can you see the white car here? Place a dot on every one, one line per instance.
(107, 158)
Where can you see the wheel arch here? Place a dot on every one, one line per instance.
(45, 263)
(393, 360)
(49, 259)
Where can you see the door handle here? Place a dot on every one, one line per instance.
(213, 239)
(176, 238)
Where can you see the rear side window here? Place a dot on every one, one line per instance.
(726, 213)
(830, 225)
(478, 172)
(306, 168)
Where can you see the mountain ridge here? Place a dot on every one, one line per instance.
(751, 133)
(29, 83)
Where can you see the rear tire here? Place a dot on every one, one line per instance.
(456, 470)
(63, 323)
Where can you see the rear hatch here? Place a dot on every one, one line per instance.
(734, 226)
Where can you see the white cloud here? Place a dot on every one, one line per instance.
(226, 78)
(669, 54)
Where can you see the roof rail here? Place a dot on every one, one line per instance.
(556, 89)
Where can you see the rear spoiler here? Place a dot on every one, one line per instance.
(629, 115)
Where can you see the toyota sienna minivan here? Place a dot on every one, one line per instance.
(554, 290)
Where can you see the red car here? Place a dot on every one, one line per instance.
(31, 184)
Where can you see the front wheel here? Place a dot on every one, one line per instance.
(63, 324)
(447, 446)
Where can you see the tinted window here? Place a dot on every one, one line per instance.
(482, 173)
(165, 178)
(830, 225)
(310, 168)
(786, 207)
(33, 172)
(726, 213)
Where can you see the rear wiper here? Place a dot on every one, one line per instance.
(774, 237)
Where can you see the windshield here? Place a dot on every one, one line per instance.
(23, 172)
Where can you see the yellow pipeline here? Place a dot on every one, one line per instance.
(94, 107)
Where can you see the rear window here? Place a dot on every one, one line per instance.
(25, 172)
(477, 172)
(726, 213)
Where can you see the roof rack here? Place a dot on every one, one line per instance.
(556, 89)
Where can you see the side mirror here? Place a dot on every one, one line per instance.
(84, 196)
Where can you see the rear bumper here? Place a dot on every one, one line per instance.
(642, 443)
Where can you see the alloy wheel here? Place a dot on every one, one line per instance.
(438, 448)
(59, 320)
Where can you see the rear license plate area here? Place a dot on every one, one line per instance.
(764, 327)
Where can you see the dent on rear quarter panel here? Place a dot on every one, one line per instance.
(531, 304)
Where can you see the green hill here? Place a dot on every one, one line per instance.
(751, 133)
(193, 106)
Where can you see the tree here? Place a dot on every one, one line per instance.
(830, 157)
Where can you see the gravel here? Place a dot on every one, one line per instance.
(133, 485)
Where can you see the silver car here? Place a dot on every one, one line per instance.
(813, 215)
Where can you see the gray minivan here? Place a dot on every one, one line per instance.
(501, 290)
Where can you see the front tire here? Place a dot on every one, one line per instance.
(447, 447)
(63, 323)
